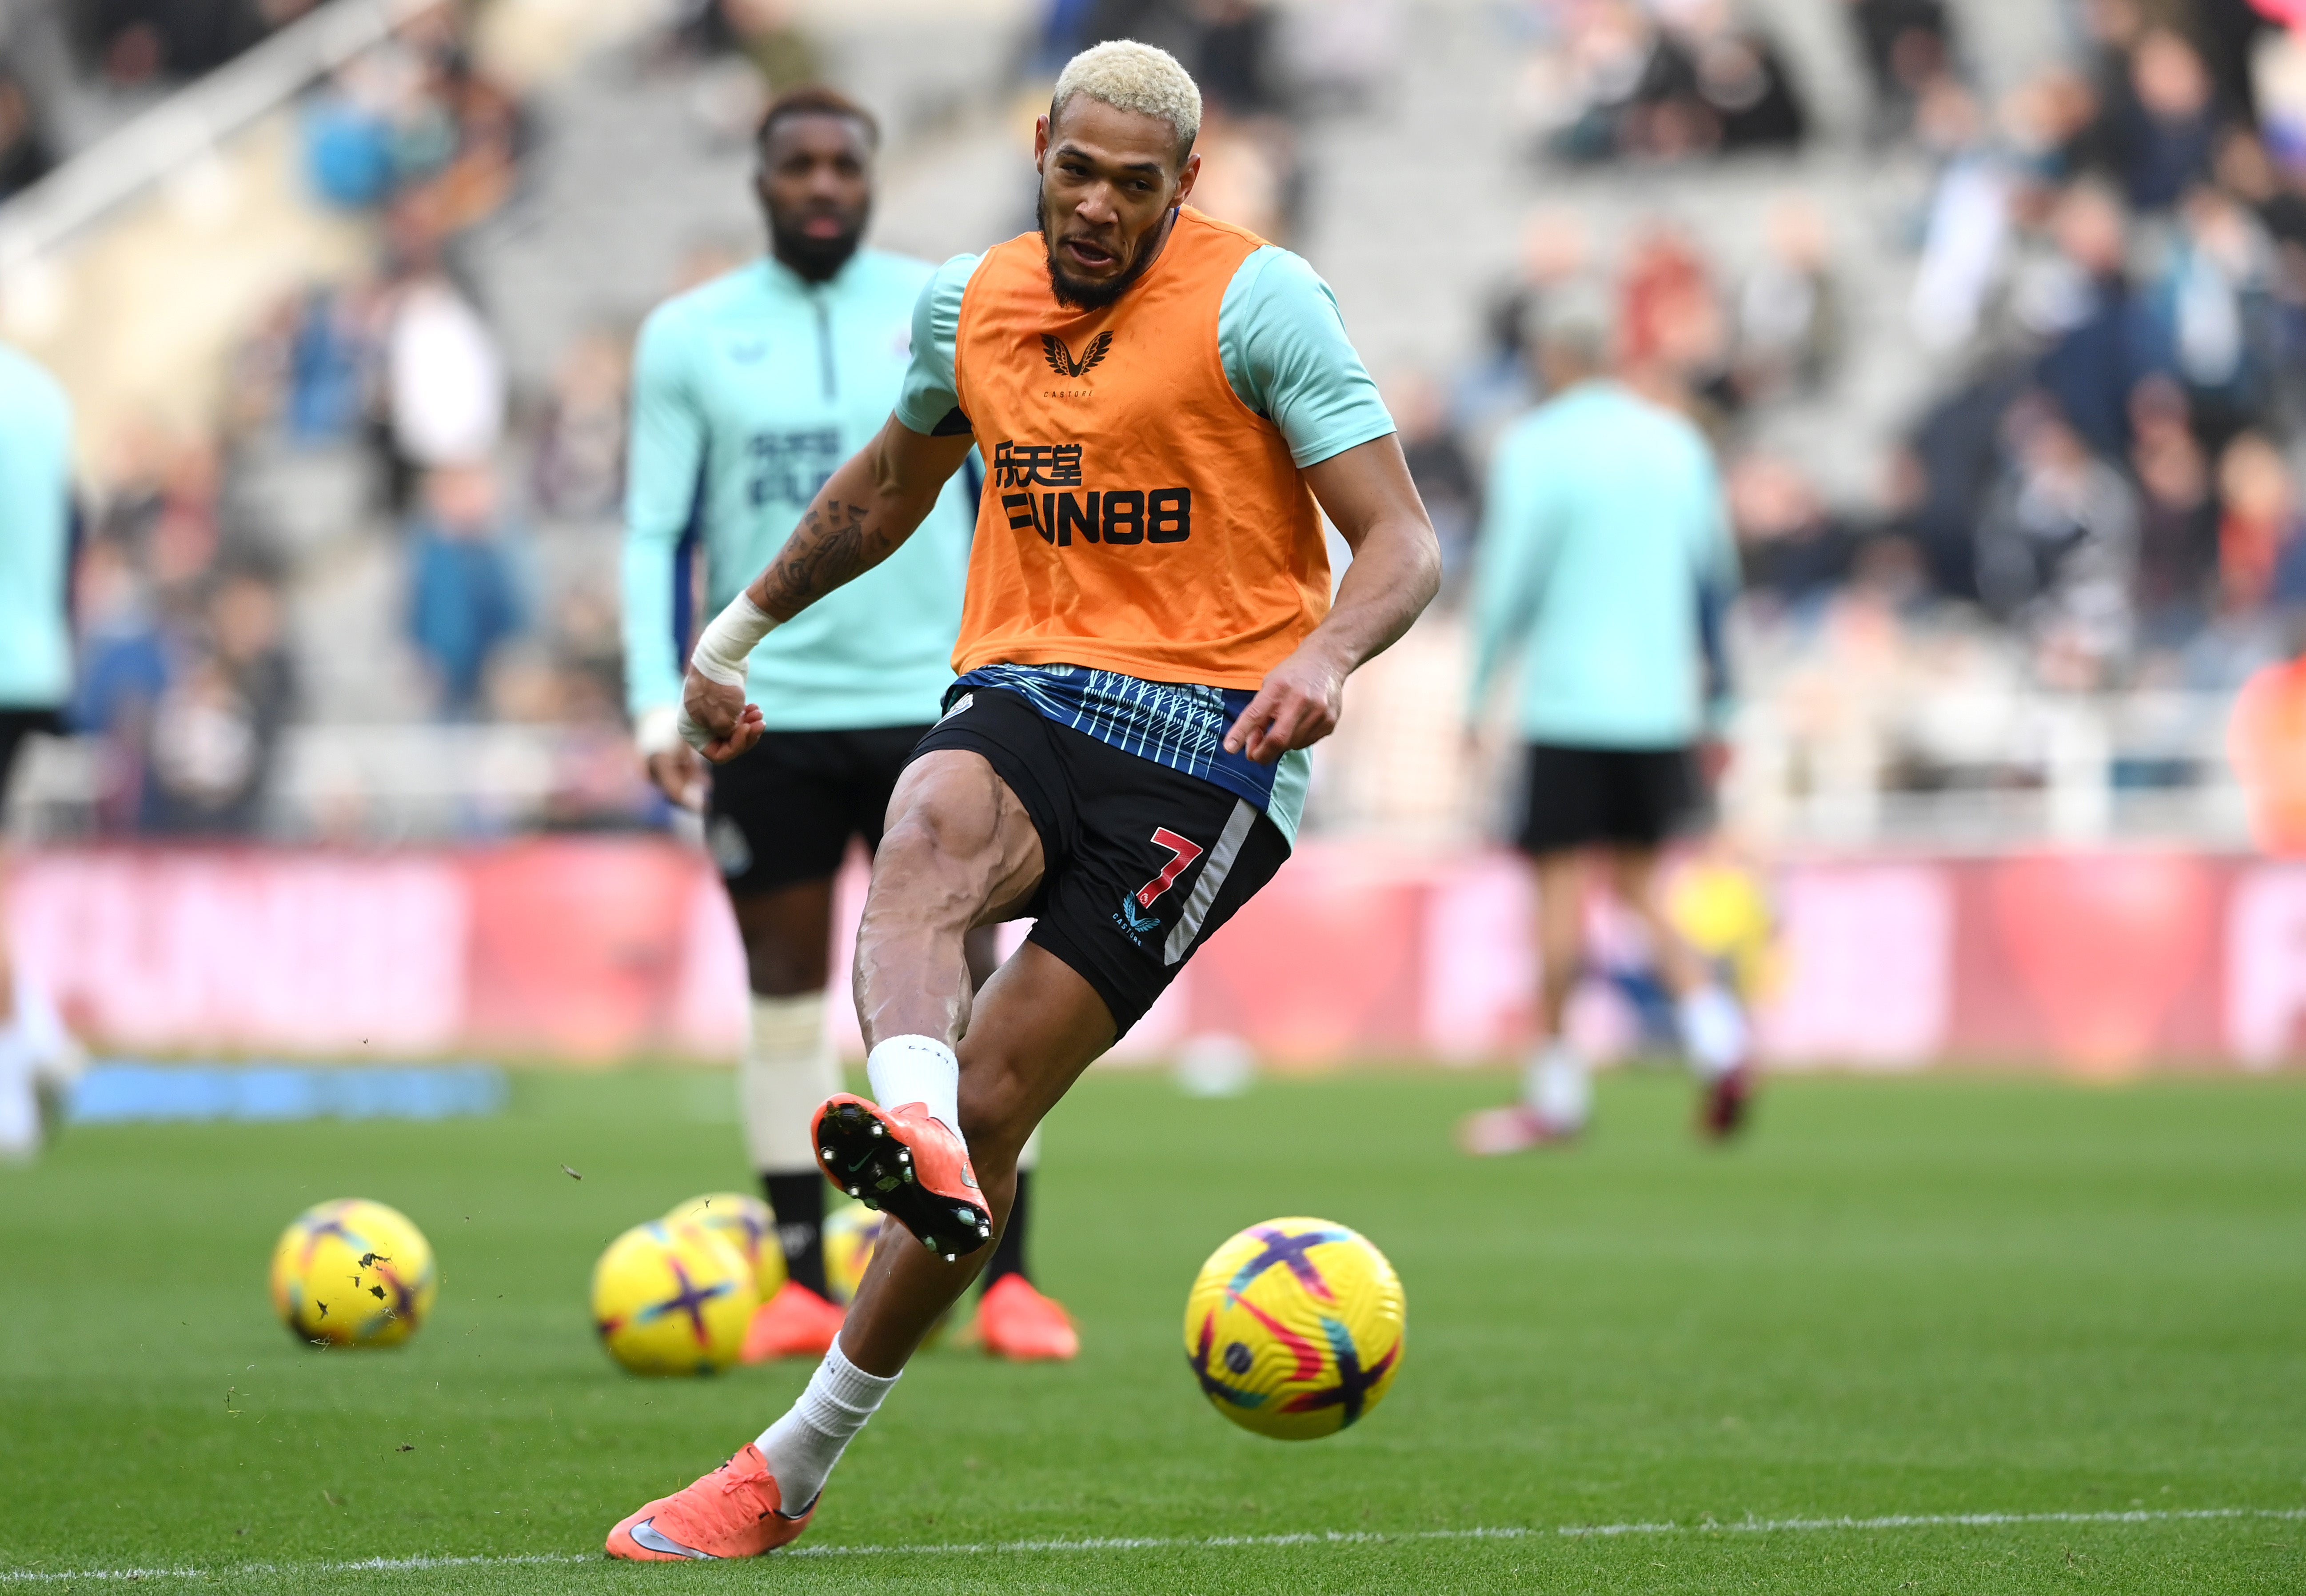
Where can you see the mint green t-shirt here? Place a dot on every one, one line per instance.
(1604, 524)
(747, 392)
(36, 426)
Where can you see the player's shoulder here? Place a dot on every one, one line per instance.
(734, 293)
(1221, 233)
(1269, 271)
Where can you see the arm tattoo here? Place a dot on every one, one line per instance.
(833, 543)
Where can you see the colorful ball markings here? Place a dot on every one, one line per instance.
(672, 1299)
(851, 1232)
(353, 1273)
(1295, 1329)
(747, 1224)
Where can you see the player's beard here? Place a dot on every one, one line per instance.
(1079, 294)
(814, 259)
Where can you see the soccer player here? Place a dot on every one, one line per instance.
(1605, 552)
(1149, 644)
(748, 391)
(36, 1054)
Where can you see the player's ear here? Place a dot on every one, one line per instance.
(1186, 174)
(1040, 141)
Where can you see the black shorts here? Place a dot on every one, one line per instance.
(15, 726)
(784, 811)
(1624, 798)
(1140, 863)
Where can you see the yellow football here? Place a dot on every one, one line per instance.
(672, 1299)
(353, 1273)
(747, 1224)
(851, 1232)
(1294, 1328)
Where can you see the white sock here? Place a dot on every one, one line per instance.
(1557, 1089)
(802, 1447)
(917, 1070)
(1714, 1031)
(787, 1071)
(57, 1057)
(20, 1103)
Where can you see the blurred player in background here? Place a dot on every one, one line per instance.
(1148, 648)
(37, 1056)
(1605, 559)
(748, 391)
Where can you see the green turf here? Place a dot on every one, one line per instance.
(1900, 1297)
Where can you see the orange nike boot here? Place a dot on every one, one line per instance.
(906, 1163)
(1017, 1322)
(795, 1323)
(731, 1513)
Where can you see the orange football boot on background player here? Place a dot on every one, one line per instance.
(1015, 1321)
(795, 1323)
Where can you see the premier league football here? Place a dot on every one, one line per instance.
(844, 785)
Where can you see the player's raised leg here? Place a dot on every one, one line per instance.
(963, 850)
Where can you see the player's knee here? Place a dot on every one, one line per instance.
(995, 1118)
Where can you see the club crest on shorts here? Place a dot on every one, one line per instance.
(724, 838)
(1183, 851)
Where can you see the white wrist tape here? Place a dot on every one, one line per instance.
(657, 728)
(729, 641)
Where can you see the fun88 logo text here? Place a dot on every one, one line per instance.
(1121, 515)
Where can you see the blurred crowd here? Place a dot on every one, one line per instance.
(1606, 79)
(191, 669)
(2108, 271)
(2109, 262)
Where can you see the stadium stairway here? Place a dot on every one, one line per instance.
(642, 159)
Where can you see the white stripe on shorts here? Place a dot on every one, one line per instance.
(1212, 879)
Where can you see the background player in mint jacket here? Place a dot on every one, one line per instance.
(36, 1054)
(1605, 554)
(747, 391)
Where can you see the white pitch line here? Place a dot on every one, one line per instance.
(1741, 1526)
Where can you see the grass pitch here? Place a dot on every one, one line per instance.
(1919, 1297)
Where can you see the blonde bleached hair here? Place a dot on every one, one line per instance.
(1130, 76)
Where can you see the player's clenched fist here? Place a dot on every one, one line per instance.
(715, 720)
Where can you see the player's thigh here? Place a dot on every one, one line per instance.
(1036, 1025)
(959, 845)
(880, 757)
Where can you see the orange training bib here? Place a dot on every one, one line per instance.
(1137, 517)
